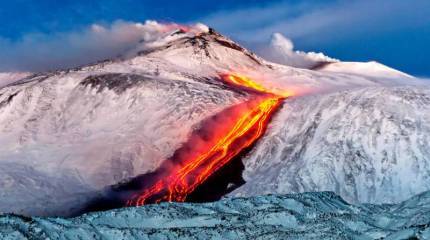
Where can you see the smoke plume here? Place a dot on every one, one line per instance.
(41, 52)
(281, 50)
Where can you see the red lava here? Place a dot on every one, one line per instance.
(182, 179)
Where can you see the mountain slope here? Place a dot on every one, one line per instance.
(368, 145)
(370, 69)
(10, 77)
(96, 130)
(68, 134)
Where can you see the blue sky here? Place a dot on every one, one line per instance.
(394, 32)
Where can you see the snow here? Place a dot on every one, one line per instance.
(96, 137)
(10, 77)
(368, 145)
(66, 135)
(370, 69)
(318, 215)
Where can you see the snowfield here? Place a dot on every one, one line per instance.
(370, 69)
(368, 145)
(317, 215)
(10, 77)
(72, 135)
(68, 134)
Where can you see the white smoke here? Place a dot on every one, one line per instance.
(41, 52)
(282, 51)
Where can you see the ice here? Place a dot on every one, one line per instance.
(317, 215)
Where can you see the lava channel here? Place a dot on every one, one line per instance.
(183, 178)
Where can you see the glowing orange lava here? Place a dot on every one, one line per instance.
(184, 178)
(246, 82)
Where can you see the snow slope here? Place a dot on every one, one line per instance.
(318, 215)
(367, 144)
(93, 131)
(67, 134)
(370, 69)
(10, 77)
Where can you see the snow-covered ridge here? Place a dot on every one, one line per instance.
(10, 77)
(319, 215)
(370, 69)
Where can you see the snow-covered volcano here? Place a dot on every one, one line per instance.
(65, 135)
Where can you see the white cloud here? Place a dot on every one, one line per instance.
(281, 50)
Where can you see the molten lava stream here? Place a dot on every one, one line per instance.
(184, 178)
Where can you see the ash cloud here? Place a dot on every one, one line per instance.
(43, 52)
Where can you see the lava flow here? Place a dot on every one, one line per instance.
(185, 177)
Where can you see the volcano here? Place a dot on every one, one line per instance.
(195, 96)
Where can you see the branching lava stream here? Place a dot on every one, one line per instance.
(182, 179)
